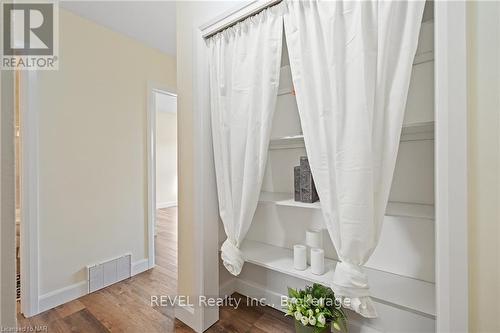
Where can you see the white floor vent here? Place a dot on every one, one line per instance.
(108, 272)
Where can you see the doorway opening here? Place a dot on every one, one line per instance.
(163, 168)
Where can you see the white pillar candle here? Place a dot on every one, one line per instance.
(317, 261)
(314, 239)
(299, 257)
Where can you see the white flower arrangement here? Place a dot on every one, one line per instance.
(316, 307)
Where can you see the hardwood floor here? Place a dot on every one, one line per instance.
(251, 318)
(126, 306)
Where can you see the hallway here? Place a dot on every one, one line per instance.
(125, 306)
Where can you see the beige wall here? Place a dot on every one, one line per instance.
(93, 183)
(484, 167)
(166, 157)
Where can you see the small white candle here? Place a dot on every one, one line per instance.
(314, 239)
(317, 261)
(300, 257)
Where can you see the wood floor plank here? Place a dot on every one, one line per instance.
(69, 308)
(58, 326)
(83, 321)
(269, 323)
(126, 306)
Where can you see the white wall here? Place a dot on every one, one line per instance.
(93, 173)
(190, 16)
(7, 202)
(406, 246)
(194, 158)
(166, 150)
(483, 22)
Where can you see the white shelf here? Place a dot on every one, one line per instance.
(418, 131)
(410, 210)
(400, 291)
(292, 203)
(410, 132)
(287, 142)
(393, 208)
(273, 197)
(425, 49)
(286, 91)
(285, 199)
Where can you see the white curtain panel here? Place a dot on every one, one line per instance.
(351, 63)
(244, 76)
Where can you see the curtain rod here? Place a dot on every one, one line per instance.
(236, 16)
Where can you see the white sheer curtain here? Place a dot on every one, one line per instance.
(351, 63)
(244, 76)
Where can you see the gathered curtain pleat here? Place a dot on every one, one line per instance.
(351, 63)
(244, 76)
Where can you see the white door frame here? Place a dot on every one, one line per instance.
(153, 87)
(450, 43)
(450, 155)
(7, 202)
(29, 246)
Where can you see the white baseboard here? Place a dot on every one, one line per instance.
(227, 288)
(273, 299)
(140, 266)
(60, 296)
(185, 313)
(256, 291)
(69, 293)
(166, 204)
(390, 318)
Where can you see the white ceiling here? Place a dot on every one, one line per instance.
(150, 22)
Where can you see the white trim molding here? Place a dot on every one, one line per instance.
(185, 313)
(166, 204)
(60, 296)
(228, 287)
(151, 171)
(152, 88)
(140, 266)
(7, 202)
(392, 318)
(29, 196)
(235, 15)
(451, 166)
(206, 214)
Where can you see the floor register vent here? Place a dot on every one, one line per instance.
(108, 272)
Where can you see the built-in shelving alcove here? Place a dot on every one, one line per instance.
(401, 270)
